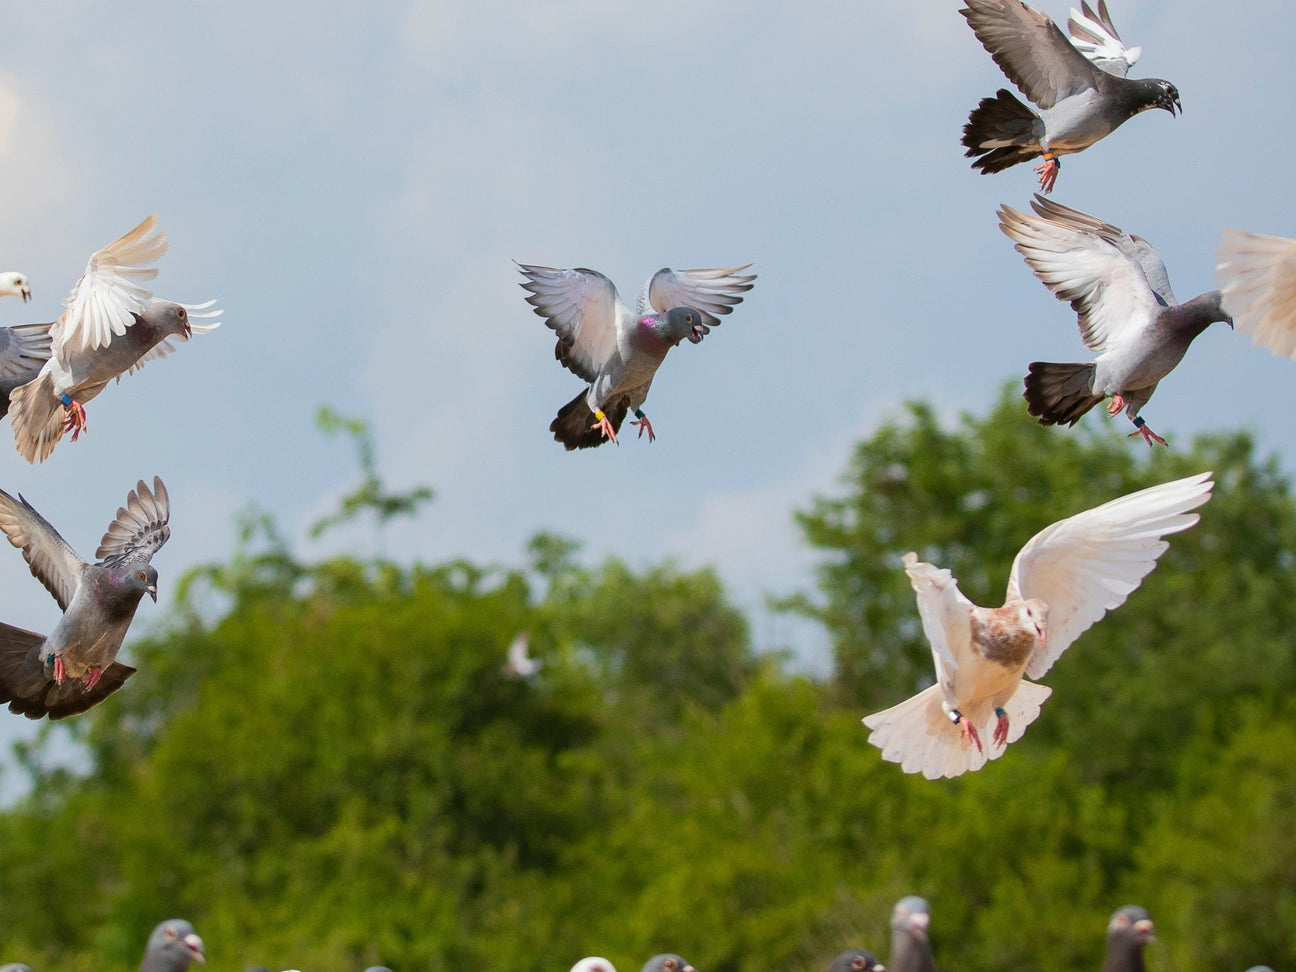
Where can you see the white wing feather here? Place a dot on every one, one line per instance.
(109, 293)
(1094, 36)
(1257, 276)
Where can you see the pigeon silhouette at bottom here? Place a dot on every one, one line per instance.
(1063, 580)
(75, 666)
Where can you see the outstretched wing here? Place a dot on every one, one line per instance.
(109, 293)
(1257, 277)
(1086, 565)
(52, 560)
(712, 292)
(1031, 50)
(141, 527)
(946, 618)
(583, 307)
(1094, 35)
(24, 348)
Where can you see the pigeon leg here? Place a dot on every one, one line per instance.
(644, 425)
(60, 671)
(1115, 405)
(76, 416)
(1141, 428)
(1048, 172)
(92, 679)
(966, 729)
(1001, 727)
(605, 425)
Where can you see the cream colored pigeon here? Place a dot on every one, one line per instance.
(1257, 275)
(14, 284)
(1063, 580)
(616, 351)
(112, 326)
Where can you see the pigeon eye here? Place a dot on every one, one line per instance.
(140, 575)
(170, 932)
(669, 964)
(857, 962)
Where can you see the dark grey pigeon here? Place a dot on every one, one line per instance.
(911, 949)
(1128, 931)
(667, 963)
(1118, 286)
(111, 326)
(172, 946)
(856, 960)
(1079, 100)
(75, 667)
(617, 352)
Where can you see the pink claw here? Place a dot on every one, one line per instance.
(606, 426)
(92, 679)
(970, 735)
(76, 419)
(645, 426)
(1048, 172)
(1001, 728)
(60, 671)
(1148, 435)
(1115, 405)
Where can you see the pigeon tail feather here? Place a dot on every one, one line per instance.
(29, 691)
(921, 737)
(1058, 394)
(37, 418)
(1001, 131)
(577, 428)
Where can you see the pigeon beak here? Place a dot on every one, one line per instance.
(920, 923)
(26, 294)
(152, 592)
(1146, 930)
(192, 942)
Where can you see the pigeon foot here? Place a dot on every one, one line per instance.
(92, 679)
(968, 731)
(1115, 405)
(1001, 728)
(76, 417)
(1141, 428)
(605, 425)
(60, 671)
(644, 425)
(1048, 172)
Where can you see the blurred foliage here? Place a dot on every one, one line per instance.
(325, 765)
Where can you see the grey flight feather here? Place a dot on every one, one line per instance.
(75, 666)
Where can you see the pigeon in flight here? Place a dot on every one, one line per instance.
(521, 665)
(1063, 580)
(911, 949)
(618, 352)
(1078, 86)
(1118, 286)
(75, 667)
(172, 947)
(1257, 275)
(24, 349)
(1128, 931)
(112, 326)
(856, 960)
(14, 284)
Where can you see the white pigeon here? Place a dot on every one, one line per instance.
(520, 664)
(112, 326)
(14, 284)
(617, 352)
(593, 963)
(1066, 577)
(1257, 276)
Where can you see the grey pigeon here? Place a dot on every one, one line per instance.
(1063, 580)
(668, 962)
(172, 947)
(74, 667)
(14, 284)
(1257, 275)
(1079, 100)
(111, 327)
(1128, 931)
(617, 352)
(856, 960)
(911, 949)
(1118, 286)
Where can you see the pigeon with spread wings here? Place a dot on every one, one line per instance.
(616, 351)
(111, 327)
(1078, 86)
(1120, 291)
(1063, 580)
(75, 666)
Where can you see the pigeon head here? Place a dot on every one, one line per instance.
(667, 962)
(856, 960)
(911, 916)
(681, 323)
(137, 579)
(1131, 925)
(167, 319)
(14, 284)
(593, 963)
(1166, 96)
(172, 947)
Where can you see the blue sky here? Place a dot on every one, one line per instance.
(353, 190)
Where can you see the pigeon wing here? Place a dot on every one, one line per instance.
(52, 560)
(1094, 35)
(1257, 276)
(946, 619)
(583, 307)
(712, 292)
(1103, 281)
(1031, 50)
(1086, 565)
(23, 349)
(140, 528)
(109, 293)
